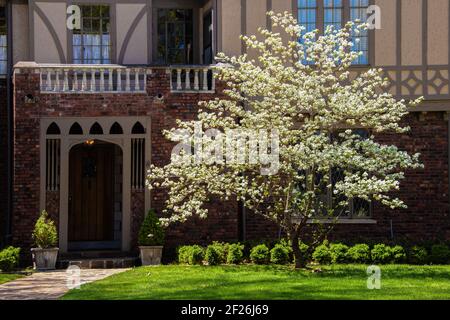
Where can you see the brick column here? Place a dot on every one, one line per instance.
(26, 169)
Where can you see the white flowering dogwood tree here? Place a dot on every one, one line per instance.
(300, 92)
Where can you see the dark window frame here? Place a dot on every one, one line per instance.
(3, 41)
(329, 197)
(189, 57)
(347, 8)
(104, 23)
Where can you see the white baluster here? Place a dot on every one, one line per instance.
(93, 80)
(196, 81)
(119, 80)
(57, 85)
(110, 81)
(84, 81)
(213, 81)
(75, 80)
(127, 80)
(205, 79)
(187, 85)
(66, 80)
(41, 83)
(136, 80)
(49, 79)
(179, 87)
(102, 80)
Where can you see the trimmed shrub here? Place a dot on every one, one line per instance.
(304, 250)
(322, 254)
(44, 233)
(183, 254)
(196, 255)
(260, 254)
(359, 253)
(214, 255)
(398, 254)
(191, 255)
(381, 253)
(440, 254)
(417, 255)
(235, 253)
(338, 253)
(151, 233)
(9, 259)
(280, 254)
(223, 248)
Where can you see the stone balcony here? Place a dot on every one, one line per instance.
(111, 78)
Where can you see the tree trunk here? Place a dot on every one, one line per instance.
(300, 262)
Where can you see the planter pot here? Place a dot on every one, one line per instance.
(151, 255)
(44, 259)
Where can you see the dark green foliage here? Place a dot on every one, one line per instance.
(9, 259)
(196, 255)
(440, 254)
(359, 253)
(417, 255)
(235, 253)
(214, 255)
(338, 253)
(322, 254)
(44, 233)
(183, 254)
(151, 232)
(191, 255)
(381, 254)
(398, 254)
(280, 254)
(260, 254)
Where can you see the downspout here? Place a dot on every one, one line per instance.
(447, 115)
(10, 124)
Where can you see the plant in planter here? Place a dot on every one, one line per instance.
(45, 238)
(151, 240)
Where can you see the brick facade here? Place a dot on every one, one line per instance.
(4, 158)
(221, 225)
(424, 191)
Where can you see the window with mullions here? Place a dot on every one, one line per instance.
(356, 209)
(358, 11)
(318, 14)
(175, 36)
(3, 42)
(92, 43)
(332, 13)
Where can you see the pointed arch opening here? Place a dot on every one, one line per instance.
(138, 128)
(53, 129)
(96, 129)
(116, 128)
(76, 129)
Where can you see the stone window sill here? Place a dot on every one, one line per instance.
(343, 221)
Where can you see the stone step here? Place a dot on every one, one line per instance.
(99, 263)
(94, 254)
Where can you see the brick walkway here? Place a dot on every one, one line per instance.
(49, 285)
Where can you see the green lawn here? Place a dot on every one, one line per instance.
(269, 282)
(8, 277)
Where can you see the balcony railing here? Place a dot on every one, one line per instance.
(92, 78)
(71, 78)
(192, 79)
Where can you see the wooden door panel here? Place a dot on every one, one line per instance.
(91, 193)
